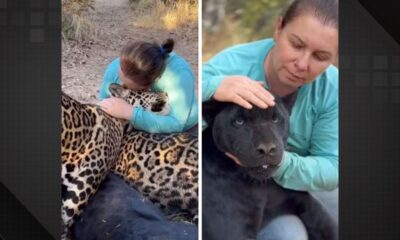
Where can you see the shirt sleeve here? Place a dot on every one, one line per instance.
(212, 76)
(181, 97)
(213, 73)
(318, 171)
(110, 76)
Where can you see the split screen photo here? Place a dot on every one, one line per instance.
(199, 119)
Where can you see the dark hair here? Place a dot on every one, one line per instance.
(144, 62)
(324, 10)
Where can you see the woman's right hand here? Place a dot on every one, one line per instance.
(244, 92)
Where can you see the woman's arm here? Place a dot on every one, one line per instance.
(233, 88)
(110, 76)
(182, 100)
(319, 170)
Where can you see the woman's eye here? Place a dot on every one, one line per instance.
(320, 58)
(296, 45)
(239, 122)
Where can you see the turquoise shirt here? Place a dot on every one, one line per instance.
(178, 82)
(311, 161)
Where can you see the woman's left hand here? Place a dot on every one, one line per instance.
(117, 107)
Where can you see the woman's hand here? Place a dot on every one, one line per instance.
(117, 107)
(244, 92)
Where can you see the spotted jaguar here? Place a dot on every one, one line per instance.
(164, 168)
(90, 144)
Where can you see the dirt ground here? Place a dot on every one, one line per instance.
(83, 63)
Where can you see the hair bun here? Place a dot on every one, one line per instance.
(168, 45)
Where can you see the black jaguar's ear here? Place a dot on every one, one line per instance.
(289, 101)
(210, 109)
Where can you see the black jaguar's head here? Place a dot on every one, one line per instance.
(257, 137)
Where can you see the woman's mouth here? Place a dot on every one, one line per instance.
(294, 77)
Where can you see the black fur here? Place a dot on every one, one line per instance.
(119, 212)
(239, 200)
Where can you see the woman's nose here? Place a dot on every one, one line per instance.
(302, 62)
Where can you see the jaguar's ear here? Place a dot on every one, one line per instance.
(289, 101)
(210, 110)
(117, 90)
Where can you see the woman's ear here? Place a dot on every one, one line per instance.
(278, 27)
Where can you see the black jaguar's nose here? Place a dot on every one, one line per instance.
(267, 149)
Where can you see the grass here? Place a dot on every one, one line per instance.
(179, 15)
(78, 28)
(74, 23)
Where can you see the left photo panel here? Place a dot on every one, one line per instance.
(129, 119)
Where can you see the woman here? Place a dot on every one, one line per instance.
(298, 58)
(143, 65)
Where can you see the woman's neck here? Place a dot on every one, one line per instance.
(275, 85)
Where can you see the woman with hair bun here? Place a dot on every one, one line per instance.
(144, 65)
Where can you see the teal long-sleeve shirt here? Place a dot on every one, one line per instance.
(311, 161)
(178, 82)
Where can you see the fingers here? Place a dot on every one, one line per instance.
(260, 83)
(240, 101)
(250, 97)
(106, 104)
(255, 93)
(117, 107)
(244, 92)
(260, 92)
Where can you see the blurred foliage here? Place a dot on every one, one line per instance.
(166, 2)
(173, 15)
(76, 7)
(74, 24)
(244, 21)
(259, 17)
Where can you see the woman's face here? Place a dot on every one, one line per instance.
(128, 83)
(304, 49)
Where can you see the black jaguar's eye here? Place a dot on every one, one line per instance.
(239, 122)
(275, 118)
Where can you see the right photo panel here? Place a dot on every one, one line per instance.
(269, 90)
